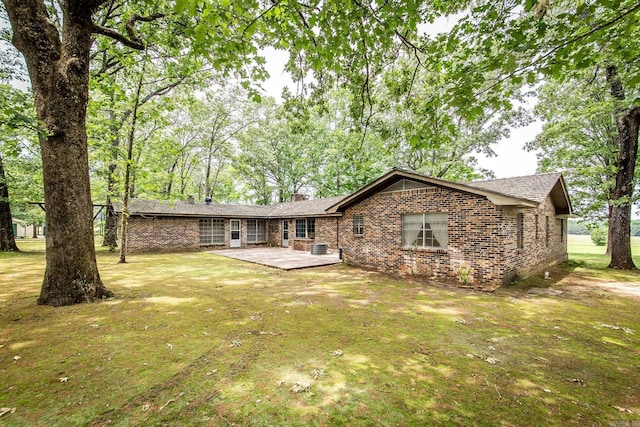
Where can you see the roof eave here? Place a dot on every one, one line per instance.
(500, 200)
(306, 215)
(396, 174)
(196, 215)
(567, 216)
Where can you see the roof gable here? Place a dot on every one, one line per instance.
(405, 184)
(519, 192)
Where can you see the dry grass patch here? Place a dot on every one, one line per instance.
(197, 339)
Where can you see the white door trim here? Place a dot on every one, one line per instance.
(285, 233)
(235, 233)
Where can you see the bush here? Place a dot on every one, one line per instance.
(599, 236)
(464, 274)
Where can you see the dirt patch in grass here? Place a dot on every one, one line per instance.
(196, 339)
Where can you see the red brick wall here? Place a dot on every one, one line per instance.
(326, 231)
(274, 237)
(162, 234)
(536, 253)
(301, 244)
(481, 235)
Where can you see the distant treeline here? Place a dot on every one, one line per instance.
(576, 227)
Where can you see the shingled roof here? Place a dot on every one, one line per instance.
(305, 207)
(316, 207)
(523, 191)
(180, 208)
(532, 187)
(527, 191)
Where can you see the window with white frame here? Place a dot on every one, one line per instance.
(256, 231)
(425, 230)
(358, 225)
(211, 231)
(306, 228)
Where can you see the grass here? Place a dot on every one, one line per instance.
(591, 261)
(197, 339)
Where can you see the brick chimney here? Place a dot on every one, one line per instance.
(190, 200)
(298, 197)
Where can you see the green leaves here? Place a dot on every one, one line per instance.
(181, 5)
(579, 139)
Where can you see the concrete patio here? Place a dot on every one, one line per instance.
(283, 258)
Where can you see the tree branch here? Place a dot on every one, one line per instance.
(133, 41)
(564, 44)
(108, 32)
(158, 92)
(257, 18)
(131, 22)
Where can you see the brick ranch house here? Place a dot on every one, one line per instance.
(402, 222)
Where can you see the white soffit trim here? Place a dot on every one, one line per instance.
(508, 201)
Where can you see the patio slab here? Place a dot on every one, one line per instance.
(283, 258)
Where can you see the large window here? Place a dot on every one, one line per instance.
(211, 231)
(427, 230)
(358, 225)
(256, 231)
(306, 228)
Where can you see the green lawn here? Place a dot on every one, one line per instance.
(197, 339)
(582, 249)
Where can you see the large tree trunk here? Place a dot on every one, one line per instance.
(609, 236)
(110, 238)
(59, 72)
(627, 122)
(7, 239)
(620, 222)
